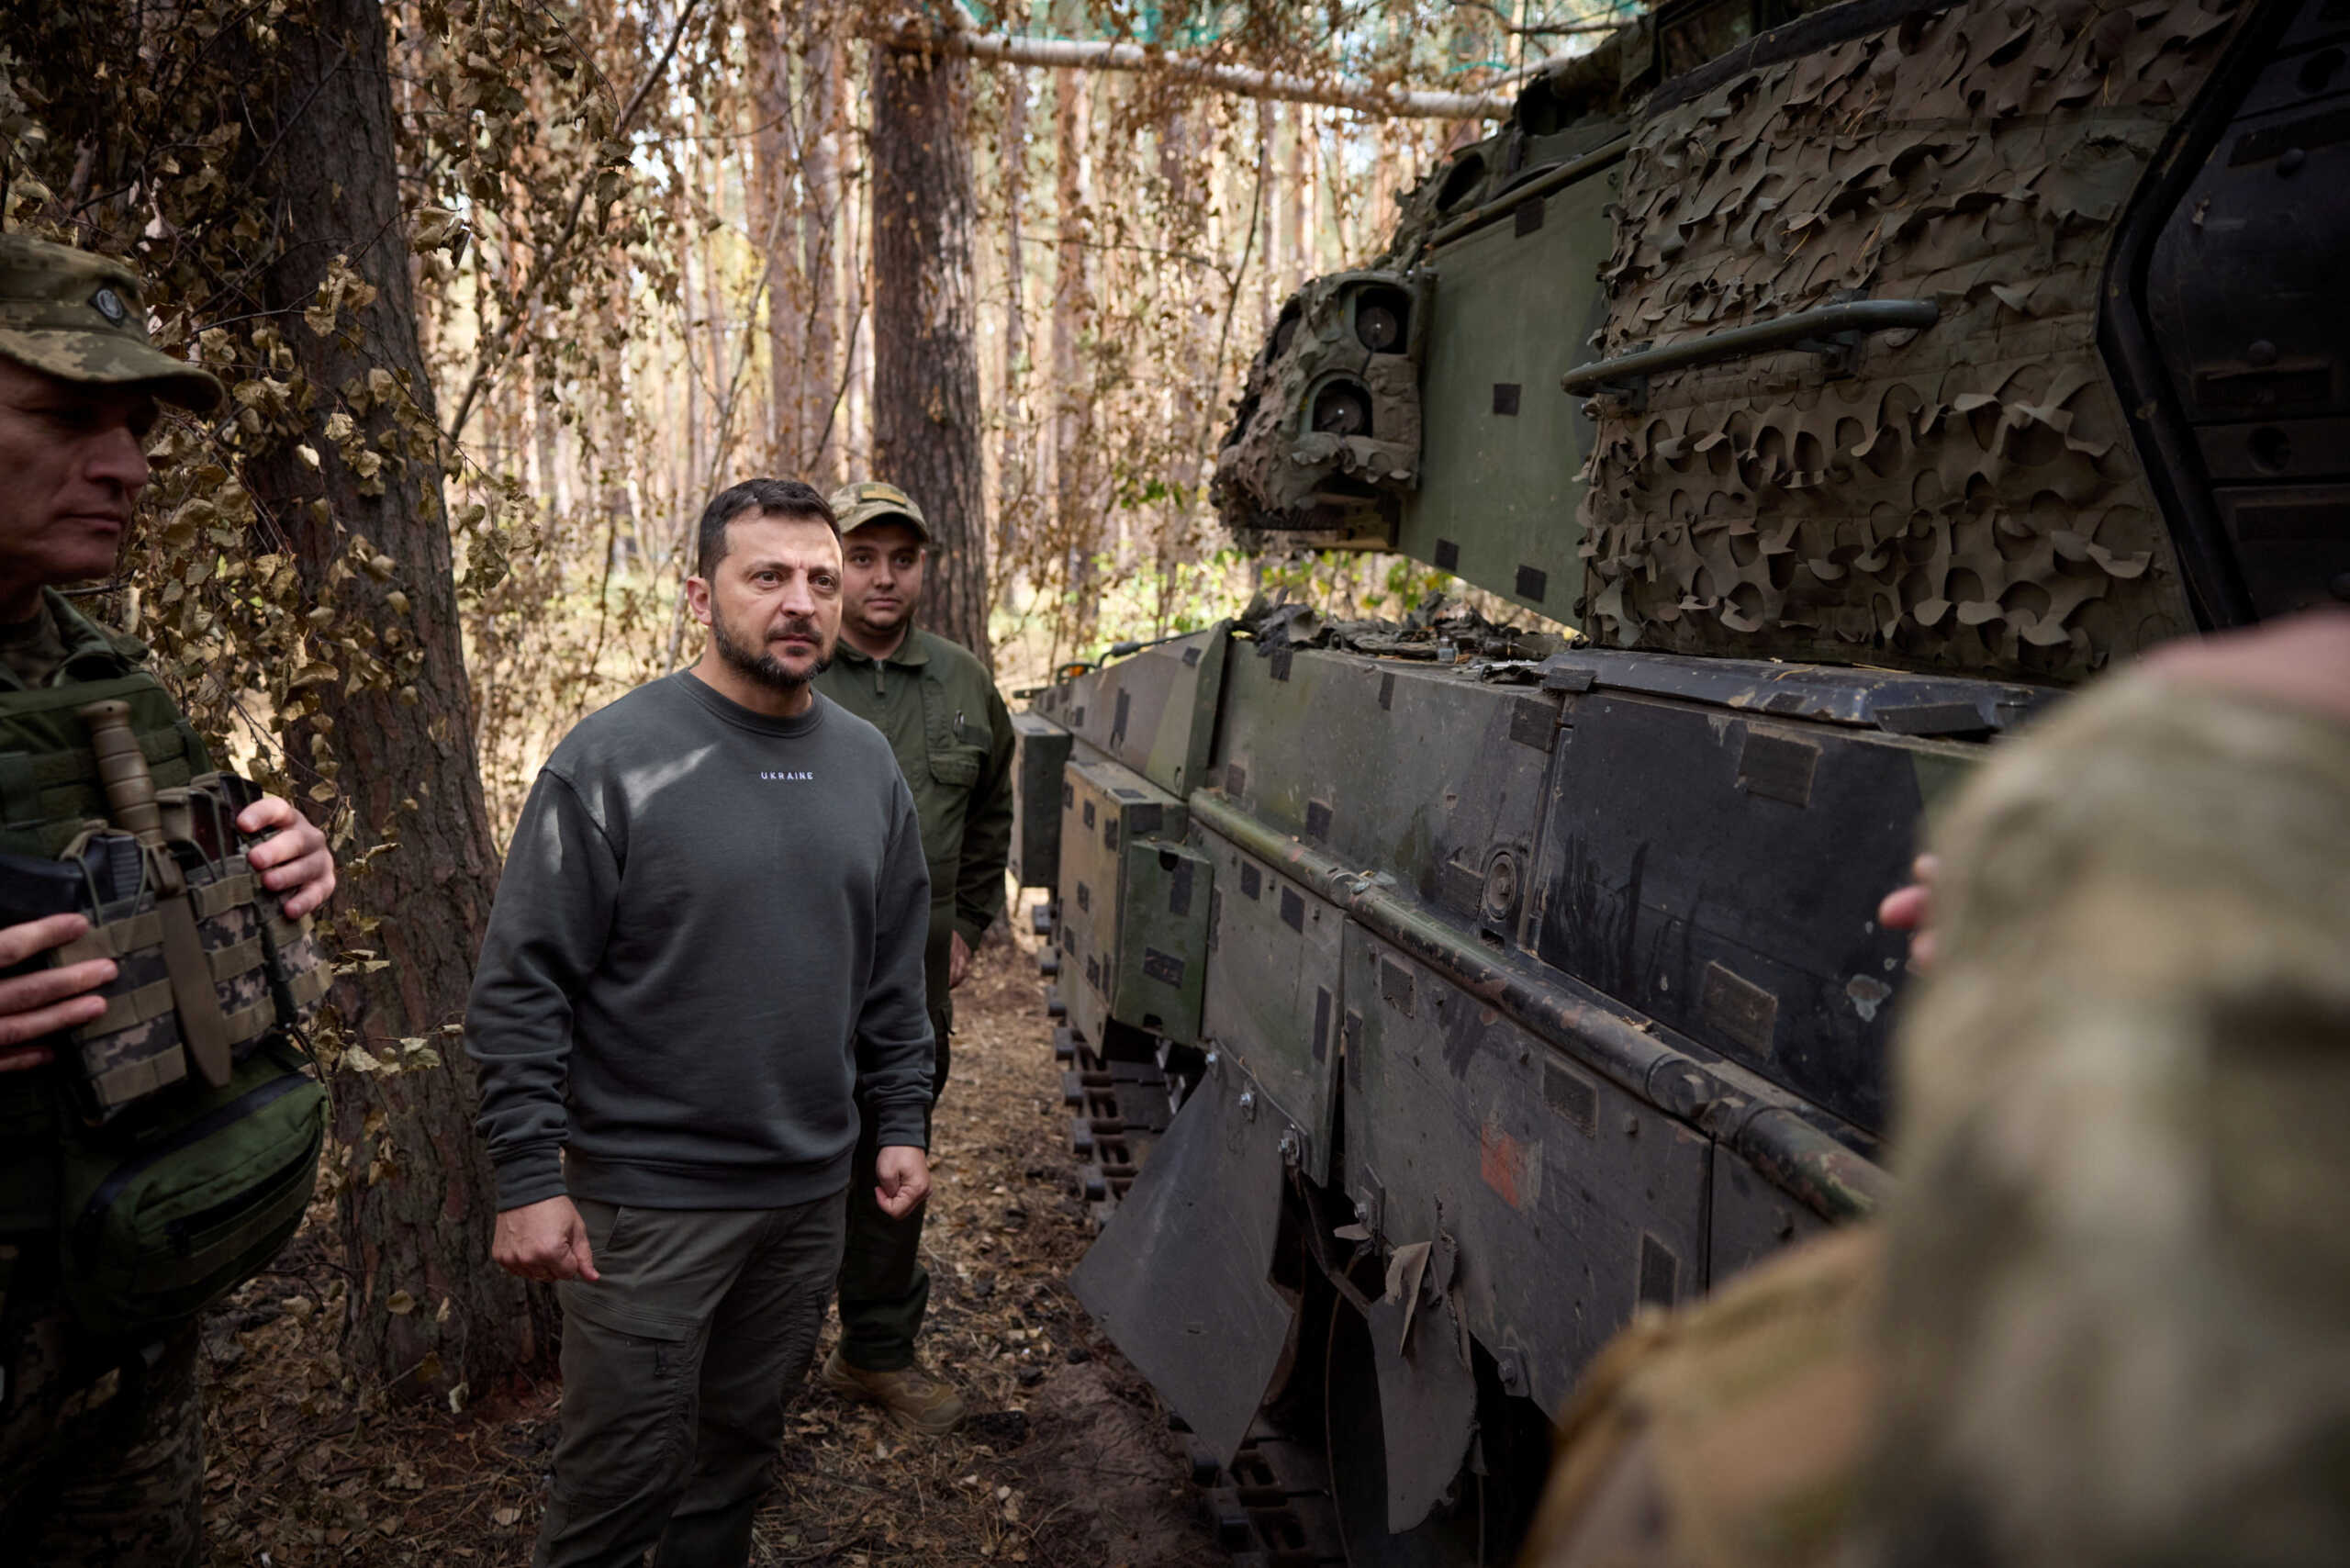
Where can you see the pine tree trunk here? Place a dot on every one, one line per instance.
(428, 1312)
(1012, 477)
(1071, 302)
(856, 453)
(776, 153)
(1268, 259)
(710, 339)
(690, 307)
(1290, 266)
(926, 322)
(823, 221)
(1188, 414)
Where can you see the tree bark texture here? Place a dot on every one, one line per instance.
(1296, 243)
(1072, 303)
(1188, 414)
(774, 157)
(427, 1310)
(691, 308)
(1014, 478)
(926, 428)
(1492, 103)
(822, 390)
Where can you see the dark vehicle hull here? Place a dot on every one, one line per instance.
(1430, 1011)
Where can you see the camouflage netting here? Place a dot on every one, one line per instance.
(1273, 473)
(1437, 631)
(1970, 497)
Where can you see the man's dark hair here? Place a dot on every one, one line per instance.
(777, 498)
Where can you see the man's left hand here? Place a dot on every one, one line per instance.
(901, 1179)
(295, 862)
(959, 960)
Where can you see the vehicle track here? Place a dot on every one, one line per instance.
(1271, 1507)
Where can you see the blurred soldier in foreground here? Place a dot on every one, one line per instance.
(953, 738)
(2107, 1320)
(101, 1432)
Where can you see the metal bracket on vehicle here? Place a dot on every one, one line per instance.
(1833, 331)
(1370, 1200)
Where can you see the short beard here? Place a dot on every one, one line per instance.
(765, 667)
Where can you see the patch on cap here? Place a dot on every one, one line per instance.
(870, 500)
(108, 304)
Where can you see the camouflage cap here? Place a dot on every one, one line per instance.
(77, 316)
(870, 500)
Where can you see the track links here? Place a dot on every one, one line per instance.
(1271, 1508)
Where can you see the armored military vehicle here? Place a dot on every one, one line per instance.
(1856, 377)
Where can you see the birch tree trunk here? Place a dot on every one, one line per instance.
(926, 321)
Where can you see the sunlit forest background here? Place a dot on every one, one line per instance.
(1135, 233)
(641, 238)
(504, 290)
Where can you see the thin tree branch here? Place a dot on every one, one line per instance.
(1248, 81)
(1049, 242)
(1548, 28)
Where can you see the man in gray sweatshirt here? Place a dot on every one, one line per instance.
(706, 954)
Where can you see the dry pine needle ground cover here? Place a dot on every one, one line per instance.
(1067, 1460)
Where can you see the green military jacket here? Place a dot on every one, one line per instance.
(90, 651)
(952, 737)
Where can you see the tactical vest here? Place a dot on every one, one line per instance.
(50, 788)
(49, 793)
(184, 1148)
(196, 985)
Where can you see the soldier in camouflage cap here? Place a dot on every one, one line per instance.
(77, 316)
(101, 1442)
(952, 735)
(870, 502)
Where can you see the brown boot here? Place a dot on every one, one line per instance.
(915, 1399)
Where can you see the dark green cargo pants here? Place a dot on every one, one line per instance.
(677, 1364)
(100, 1468)
(884, 1289)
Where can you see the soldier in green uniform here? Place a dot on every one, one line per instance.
(101, 1441)
(952, 737)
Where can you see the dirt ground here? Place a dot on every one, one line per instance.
(1067, 1460)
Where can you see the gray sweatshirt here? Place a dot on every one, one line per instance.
(707, 947)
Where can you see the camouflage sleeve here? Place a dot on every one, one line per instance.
(986, 834)
(2118, 1230)
(1727, 1433)
(546, 935)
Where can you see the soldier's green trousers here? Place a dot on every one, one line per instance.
(101, 1456)
(884, 1289)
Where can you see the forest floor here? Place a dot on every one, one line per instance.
(1066, 1461)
